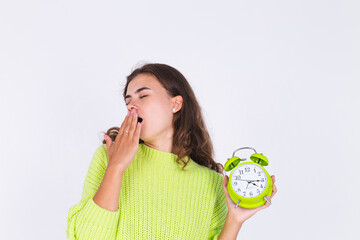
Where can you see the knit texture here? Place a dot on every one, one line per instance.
(157, 200)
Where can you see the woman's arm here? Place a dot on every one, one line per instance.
(107, 196)
(231, 229)
(86, 219)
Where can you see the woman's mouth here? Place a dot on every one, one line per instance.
(140, 119)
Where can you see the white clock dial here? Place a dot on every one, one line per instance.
(248, 180)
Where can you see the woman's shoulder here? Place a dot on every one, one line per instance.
(211, 180)
(101, 150)
(100, 155)
(209, 173)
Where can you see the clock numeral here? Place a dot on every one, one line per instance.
(237, 177)
(254, 170)
(262, 180)
(261, 186)
(259, 174)
(247, 169)
(251, 194)
(258, 191)
(235, 183)
(244, 193)
(241, 172)
(239, 190)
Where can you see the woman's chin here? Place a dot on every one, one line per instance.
(142, 135)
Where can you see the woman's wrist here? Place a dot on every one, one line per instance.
(231, 228)
(234, 218)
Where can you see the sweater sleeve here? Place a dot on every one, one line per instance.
(219, 212)
(86, 219)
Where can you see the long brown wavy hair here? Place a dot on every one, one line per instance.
(191, 137)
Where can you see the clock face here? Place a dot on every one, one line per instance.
(248, 180)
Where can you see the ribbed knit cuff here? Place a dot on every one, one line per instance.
(97, 215)
(214, 234)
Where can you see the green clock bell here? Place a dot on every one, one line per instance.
(249, 182)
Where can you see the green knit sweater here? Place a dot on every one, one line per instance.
(157, 200)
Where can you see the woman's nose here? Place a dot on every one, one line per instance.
(132, 108)
(133, 104)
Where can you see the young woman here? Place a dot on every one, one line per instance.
(155, 176)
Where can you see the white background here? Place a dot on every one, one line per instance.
(279, 76)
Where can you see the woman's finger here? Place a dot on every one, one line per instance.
(132, 126)
(137, 131)
(122, 127)
(274, 191)
(224, 184)
(125, 127)
(128, 124)
(267, 204)
(108, 142)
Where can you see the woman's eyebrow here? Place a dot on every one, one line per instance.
(137, 91)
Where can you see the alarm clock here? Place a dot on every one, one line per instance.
(249, 183)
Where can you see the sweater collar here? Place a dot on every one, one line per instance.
(157, 157)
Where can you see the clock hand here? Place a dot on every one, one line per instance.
(254, 184)
(249, 180)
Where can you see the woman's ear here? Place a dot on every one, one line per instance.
(177, 102)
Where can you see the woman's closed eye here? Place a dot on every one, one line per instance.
(140, 97)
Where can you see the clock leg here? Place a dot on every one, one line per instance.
(267, 200)
(237, 204)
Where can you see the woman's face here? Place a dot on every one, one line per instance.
(151, 102)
